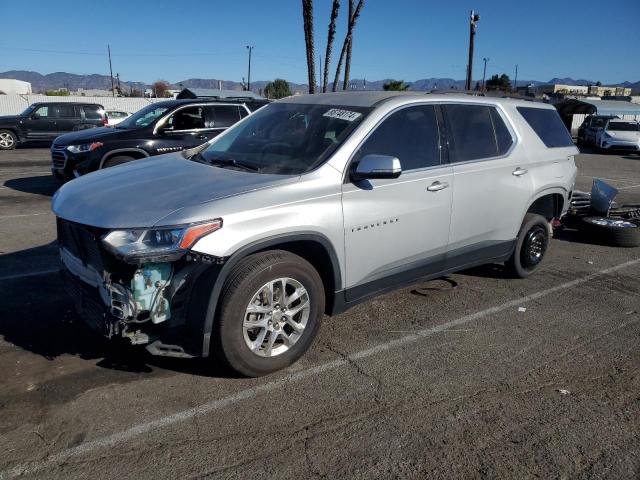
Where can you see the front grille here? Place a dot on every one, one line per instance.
(58, 156)
(81, 242)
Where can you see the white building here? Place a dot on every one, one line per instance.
(10, 86)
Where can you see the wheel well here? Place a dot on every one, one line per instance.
(316, 254)
(549, 206)
(125, 153)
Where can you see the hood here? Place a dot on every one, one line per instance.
(144, 192)
(625, 136)
(86, 136)
(10, 118)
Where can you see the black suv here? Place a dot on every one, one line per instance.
(589, 128)
(161, 127)
(46, 120)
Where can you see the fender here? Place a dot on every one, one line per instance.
(121, 150)
(243, 252)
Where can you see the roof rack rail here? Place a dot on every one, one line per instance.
(476, 93)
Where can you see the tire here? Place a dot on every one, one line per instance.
(117, 160)
(246, 349)
(612, 231)
(8, 140)
(532, 245)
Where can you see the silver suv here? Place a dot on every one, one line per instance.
(307, 207)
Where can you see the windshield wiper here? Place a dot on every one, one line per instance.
(232, 162)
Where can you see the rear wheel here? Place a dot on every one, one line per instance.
(270, 313)
(118, 160)
(8, 140)
(531, 246)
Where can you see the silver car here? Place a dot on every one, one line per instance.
(619, 135)
(307, 207)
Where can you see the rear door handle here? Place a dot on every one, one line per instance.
(519, 171)
(437, 186)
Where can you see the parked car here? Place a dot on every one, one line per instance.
(161, 127)
(587, 132)
(114, 117)
(623, 135)
(46, 121)
(309, 206)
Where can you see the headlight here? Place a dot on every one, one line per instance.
(87, 147)
(157, 244)
(609, 135)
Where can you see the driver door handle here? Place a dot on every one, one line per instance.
(518, 172)
(437, 186)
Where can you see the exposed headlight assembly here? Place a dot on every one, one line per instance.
(87, 147)
(157, 244)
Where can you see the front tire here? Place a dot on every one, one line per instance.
(270, 312)
(8, 140)
(531, 246)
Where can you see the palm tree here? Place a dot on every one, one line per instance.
(352, 23)
(330, 36)
(397, 85)
(347, 64)
(307, 17)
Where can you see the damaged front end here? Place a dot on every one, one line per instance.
(133, 284)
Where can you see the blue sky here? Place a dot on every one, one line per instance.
(404, 39)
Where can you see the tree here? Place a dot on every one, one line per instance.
(330, 36)
(161, 89)
(396, 85)
(501, 82)
(347, 63)
(347, 39)
(307, 17)
(279, 88)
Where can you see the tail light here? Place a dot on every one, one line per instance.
(105, 121)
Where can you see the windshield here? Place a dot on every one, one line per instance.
(143, 118)
(286, 138)
(28, 111)
(624, 126)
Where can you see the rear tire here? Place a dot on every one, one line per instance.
(612, 231)
(242, 338)
(8, 140)
(118, 160)
(532, 244)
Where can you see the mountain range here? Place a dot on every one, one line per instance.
(72, 81)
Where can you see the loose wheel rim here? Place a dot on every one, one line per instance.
(535, 246)
(612, 222)
(6, 140)
(276, 317)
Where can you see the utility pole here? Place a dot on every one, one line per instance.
(110, 70)
(320, 68)
(250, 48)
(484, 71)
(515, 80)
(474, 18)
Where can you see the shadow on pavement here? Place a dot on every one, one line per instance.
(40, 185)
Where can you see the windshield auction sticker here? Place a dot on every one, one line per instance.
(347, 115)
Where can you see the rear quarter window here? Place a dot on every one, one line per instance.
(547, 125)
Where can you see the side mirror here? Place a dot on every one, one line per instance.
(376, 166)
(35, 116)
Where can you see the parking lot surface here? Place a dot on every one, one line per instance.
(469, 376)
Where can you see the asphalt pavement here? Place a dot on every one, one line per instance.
(471, 376)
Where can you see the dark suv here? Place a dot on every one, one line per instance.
(161, 127)
(45, 121)
(590, 127)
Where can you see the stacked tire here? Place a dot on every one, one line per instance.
(614, 231)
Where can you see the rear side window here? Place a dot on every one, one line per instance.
(410, 134)
(225, 116)
(547, 125)
(92, 112)
(476, 132)
(66, 111)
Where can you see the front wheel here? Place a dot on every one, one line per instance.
(531, 246)
(270, 313)
(118, 160)
(8, 140)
